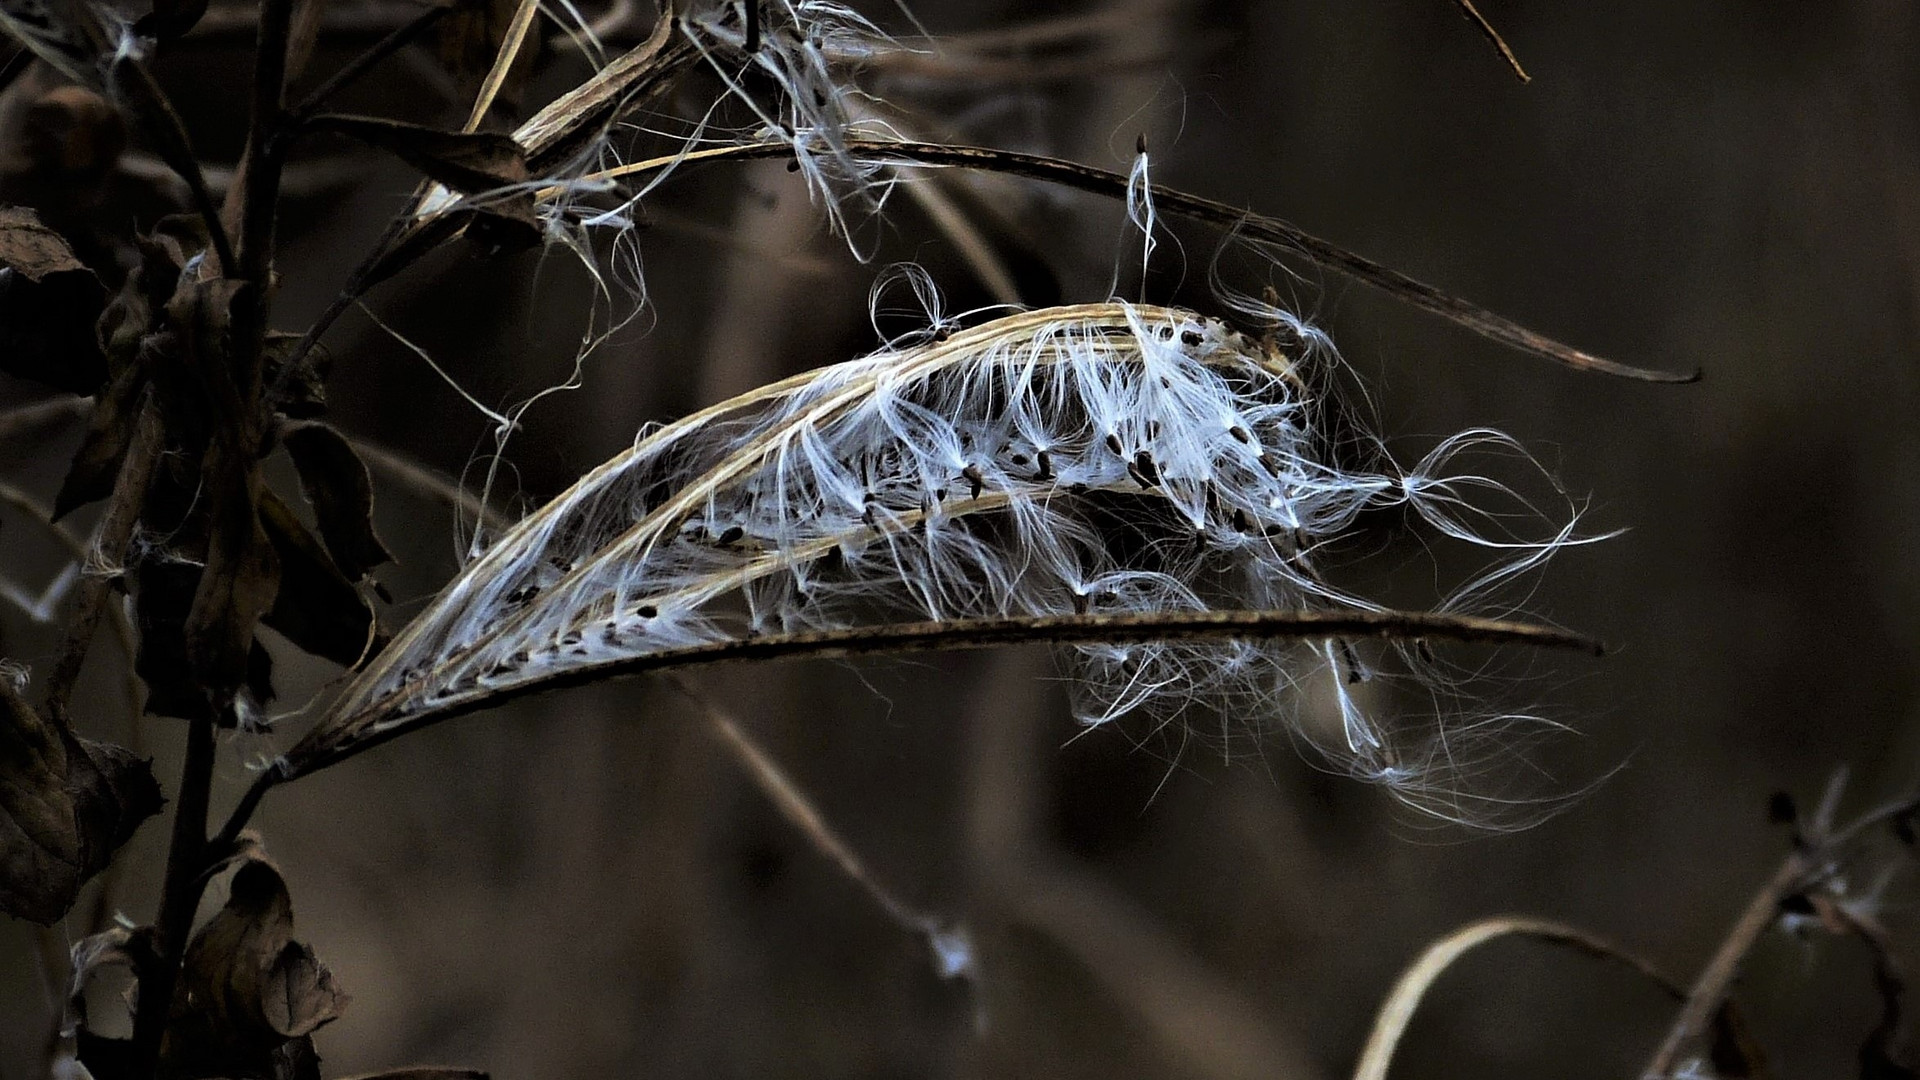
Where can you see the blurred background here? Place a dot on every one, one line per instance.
(589, 883)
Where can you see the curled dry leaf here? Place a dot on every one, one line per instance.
(469, 162)
(242, 570)
(110, 428)
(66, 804)
(49, 303)
(300, 392)
(337, 484)
(248, 989)
(315, 606)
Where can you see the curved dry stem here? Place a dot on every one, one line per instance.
(1233, 219)
(335, 742)
(1390, 1023)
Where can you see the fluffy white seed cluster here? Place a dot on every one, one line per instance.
(1105, 458)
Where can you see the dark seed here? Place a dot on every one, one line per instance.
(1114, 444)
(1143, 464)
(732, 535)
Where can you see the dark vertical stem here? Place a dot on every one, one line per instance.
(265, 156)
(179, 898)
(187, 856)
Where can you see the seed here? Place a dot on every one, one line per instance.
(732, 535)
(1240, 434)
(1147, 472)
(1114, 444)
(974, 478)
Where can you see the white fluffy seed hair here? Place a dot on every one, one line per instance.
(1103, 458)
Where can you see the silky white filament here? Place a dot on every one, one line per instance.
(1105, 458)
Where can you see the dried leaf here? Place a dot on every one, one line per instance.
(163, 590)
(49, 303)
(170, 19)
(241, 575)
(248, 989)
(316, 608)
(302, 392)
(66, 804)
(338, 486)
(96, 465)
(467, 162)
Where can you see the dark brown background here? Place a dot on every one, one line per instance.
(585, 885)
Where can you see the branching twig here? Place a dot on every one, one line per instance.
(1813, 858)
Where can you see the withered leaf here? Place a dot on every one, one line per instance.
(242, 572)
(248, 989)
(467, 162)
(96, 465)
(49, 303)
(337, 484)
(66, 804)
(316, 608)
(164, 590)
(170, 19)
(302, 391)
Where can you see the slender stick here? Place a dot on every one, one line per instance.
(1486, 29)
(1709, 991)
(176, 149)
(398, 38)
(110, 542)
(179, 897)
(1233, 219)
(800, 812)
